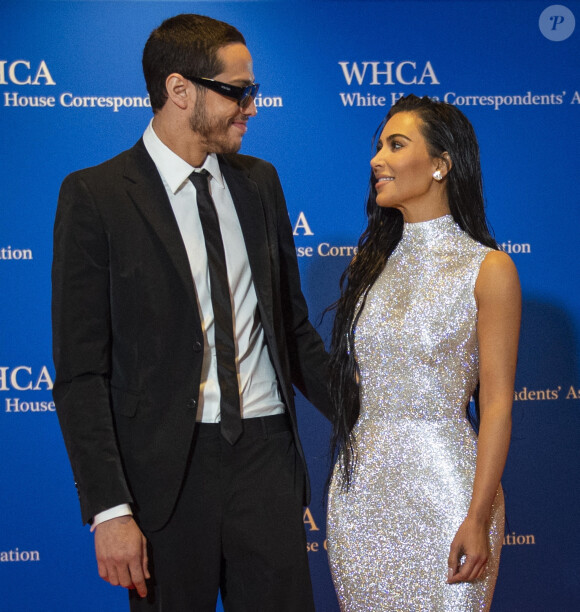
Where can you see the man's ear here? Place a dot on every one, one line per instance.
(177, 91)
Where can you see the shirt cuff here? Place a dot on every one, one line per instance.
(111, 513)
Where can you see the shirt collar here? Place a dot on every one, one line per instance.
(173, 169)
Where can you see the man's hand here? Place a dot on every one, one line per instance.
(121, 551)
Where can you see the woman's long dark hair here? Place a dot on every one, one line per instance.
(445, 128)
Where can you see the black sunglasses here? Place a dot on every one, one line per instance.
(243, 95)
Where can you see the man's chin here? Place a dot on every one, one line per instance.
(230, 147)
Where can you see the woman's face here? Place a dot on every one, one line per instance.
(404, 170)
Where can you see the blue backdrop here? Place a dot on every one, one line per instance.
(72, 95)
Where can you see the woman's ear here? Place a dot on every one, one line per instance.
(445, 163)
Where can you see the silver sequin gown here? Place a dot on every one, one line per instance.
(416, 347)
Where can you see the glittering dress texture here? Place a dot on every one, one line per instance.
(416, 347)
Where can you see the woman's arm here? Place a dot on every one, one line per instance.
(498, 297)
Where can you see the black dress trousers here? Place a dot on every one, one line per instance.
(237, 527)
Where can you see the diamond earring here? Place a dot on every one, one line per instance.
(437, 175)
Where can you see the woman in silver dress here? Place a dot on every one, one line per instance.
(428, 317)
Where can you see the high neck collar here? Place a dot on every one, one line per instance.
(429, 232)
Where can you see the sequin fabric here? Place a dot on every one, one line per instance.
(416, 347)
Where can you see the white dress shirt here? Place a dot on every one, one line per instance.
(257, 382)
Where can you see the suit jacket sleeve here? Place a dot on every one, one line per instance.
(82, 348)
(308, 357)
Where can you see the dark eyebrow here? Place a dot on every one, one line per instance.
(393, 136)
(242, 82)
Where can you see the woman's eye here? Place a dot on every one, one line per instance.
(395, 144)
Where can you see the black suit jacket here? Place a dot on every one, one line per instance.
(128, 343)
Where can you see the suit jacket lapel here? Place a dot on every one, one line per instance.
(146, 189)
(252, 217)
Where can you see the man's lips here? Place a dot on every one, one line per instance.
(241, 125)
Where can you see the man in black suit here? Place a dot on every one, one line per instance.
(179, 511)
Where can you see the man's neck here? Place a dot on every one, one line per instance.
(180, 139)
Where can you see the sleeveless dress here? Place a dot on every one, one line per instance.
(416, 347)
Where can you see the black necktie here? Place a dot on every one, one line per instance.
(231, 423)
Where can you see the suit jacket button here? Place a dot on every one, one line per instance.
(197, 346)
(192, 404)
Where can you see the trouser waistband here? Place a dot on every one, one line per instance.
(257, 426)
